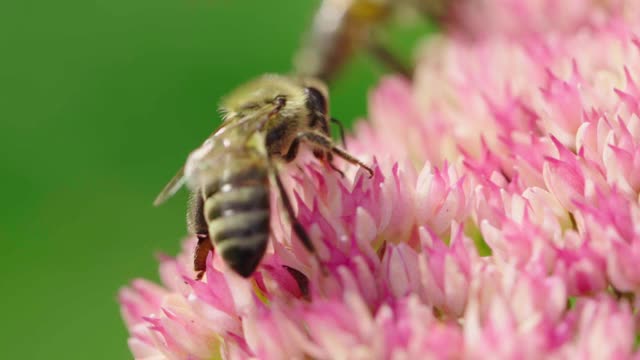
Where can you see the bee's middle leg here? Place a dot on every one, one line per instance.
(293, 151)
(297, 227)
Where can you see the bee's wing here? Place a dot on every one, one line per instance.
(212, 144)
(179, 179)
(250, 122)
(171, 188)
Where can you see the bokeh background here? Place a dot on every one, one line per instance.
(100, 103)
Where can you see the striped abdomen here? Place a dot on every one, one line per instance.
(236, 209)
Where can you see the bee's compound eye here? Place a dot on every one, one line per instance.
(315, 100)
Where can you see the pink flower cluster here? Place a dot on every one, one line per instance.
(502, 221)
(518, 19)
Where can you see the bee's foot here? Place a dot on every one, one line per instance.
(335, 168)
(199, 275)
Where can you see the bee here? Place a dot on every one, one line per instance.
(342, 27)
(232, 173)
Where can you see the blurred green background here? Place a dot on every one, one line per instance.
(101, 102)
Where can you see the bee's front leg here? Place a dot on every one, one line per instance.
(325, 144)
(327, 158)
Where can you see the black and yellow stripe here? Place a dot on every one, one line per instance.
(236, 209)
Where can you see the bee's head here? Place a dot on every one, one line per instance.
(317, 96)
(316, 102)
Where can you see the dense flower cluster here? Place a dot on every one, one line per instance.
(518, 19)
(502, 220)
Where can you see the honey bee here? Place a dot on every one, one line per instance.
(342, 27)
(231, 174)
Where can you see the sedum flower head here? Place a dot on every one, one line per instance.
(501, 221)
(476, 19)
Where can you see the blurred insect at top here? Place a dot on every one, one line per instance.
(341, 28)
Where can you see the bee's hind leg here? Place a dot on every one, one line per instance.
(198, 225)
(203, 248)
